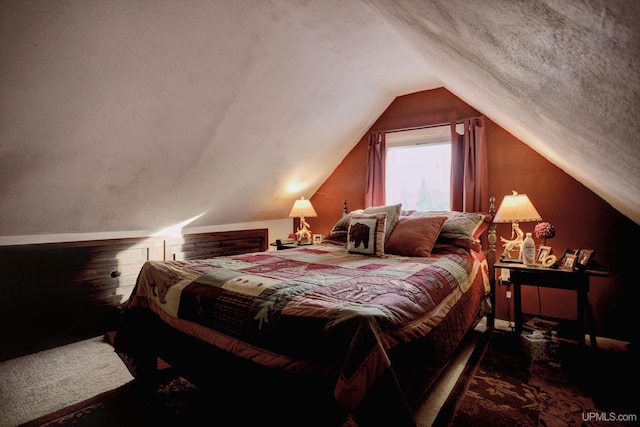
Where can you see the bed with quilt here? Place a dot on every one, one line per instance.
(347, 332)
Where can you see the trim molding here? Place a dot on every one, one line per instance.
(278, 228)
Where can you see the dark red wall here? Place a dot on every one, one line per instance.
(582, 219)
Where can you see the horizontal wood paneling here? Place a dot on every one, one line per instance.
(56, 293)
(210, 245)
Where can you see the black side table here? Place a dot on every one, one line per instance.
(281, 245)
(557, 278)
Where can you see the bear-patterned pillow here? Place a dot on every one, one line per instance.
(366, 234)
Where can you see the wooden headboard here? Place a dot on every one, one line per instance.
(490, 254)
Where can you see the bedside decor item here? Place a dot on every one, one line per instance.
(515, 208)
(302, 208)
(544, 231)
(584, 256)
(543, 252)
(568, 252)
(549, 261)
(569, 262)
(529, 250)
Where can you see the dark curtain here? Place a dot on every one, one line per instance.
(469, 167)
(375, 194)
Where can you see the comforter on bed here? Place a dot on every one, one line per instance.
(312, 308)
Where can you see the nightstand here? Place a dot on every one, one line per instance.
(281, 246)
(291, 245)
(557, 278)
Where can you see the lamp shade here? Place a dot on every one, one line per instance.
(516, 208)
(302, 208)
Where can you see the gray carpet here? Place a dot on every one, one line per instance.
(40, 383)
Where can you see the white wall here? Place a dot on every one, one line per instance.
(277, 229)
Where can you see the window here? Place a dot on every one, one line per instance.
(418, 168)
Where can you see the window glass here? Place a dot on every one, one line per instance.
(418, 168)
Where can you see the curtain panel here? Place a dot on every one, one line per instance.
(375, 193)
(469, 167)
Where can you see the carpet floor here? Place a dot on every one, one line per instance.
(498, 386)
(173, 401)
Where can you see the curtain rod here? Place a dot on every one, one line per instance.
(425, 126)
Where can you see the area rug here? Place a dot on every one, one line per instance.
(501, 387)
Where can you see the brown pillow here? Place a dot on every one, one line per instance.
(460, 229)
(414, 236)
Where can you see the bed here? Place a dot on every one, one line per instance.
(351, 331)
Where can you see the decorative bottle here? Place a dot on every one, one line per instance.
(529, 250)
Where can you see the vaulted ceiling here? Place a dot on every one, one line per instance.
(135, 115)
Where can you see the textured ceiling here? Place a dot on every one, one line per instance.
(121, 115)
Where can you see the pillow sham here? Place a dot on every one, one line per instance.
(366, 234)
(414, 236)
(460, 227)
(343, 222)
(443, 243)
(393, 213)
(337, 237)
(342, 225)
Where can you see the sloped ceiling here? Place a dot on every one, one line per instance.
(136, 115)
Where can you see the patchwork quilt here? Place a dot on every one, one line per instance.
(312, 307)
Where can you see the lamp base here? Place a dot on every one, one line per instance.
(303, 232)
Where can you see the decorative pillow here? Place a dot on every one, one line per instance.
(462, 227)
(393, 213)
(466, 225)
(443, 243)
(343, 223)
(337, 237)
(366, 234)
(414, 236)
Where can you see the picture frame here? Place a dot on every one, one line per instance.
(584, 257)
(569, 262)
(568, 251)
(317, 238)
(543, 252)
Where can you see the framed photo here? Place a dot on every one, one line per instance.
(569, 262)
(584, 257)
(317, 238)
(568, 251)
(543, 252)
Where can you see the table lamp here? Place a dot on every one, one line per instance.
(302, 208)
(515, 208)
